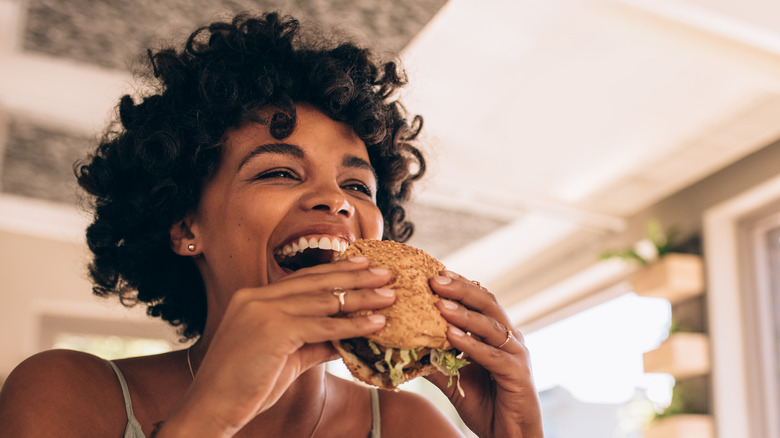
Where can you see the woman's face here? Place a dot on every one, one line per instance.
(269, 199)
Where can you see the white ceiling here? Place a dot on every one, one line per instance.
(560, 99)
(560, 115)
(581, 113)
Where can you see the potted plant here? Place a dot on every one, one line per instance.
(663, 273)
(683, 354)
(683, 418)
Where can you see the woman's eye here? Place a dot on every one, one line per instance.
(359, 187)
(276, 173)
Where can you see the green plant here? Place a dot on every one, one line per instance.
(656, 244)
(686, 399)
(676, 406)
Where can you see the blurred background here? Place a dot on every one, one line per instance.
(555, 130)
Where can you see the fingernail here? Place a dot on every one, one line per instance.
(449, 305)
(449, 274)
(357, 259)
(385, 292)
(379, 271)
(442, 280)
(456, 331)
(376, 319)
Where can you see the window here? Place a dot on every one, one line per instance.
(111, 347)
(737, 410)
(106, 338)
(761, 264)
(589, 371)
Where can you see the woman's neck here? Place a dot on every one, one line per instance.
(299, 410)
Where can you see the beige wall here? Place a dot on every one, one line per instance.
(44, 279)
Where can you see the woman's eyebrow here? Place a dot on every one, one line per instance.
(358, 163)
(273, 148)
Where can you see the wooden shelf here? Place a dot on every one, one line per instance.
(681, 426)
(681, 355)
(674, 277)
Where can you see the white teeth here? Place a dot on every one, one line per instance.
(325, 242)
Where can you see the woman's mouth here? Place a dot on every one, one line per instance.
(309, 250)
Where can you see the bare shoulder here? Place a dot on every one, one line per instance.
(60, 393)
(406, 414)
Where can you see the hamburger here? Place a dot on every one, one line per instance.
(413, 342)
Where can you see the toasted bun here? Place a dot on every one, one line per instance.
(413, 321)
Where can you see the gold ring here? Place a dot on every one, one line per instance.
(339, 293)
(509, 337)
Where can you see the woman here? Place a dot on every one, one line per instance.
(258, 136)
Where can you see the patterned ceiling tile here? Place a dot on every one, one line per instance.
(113, 33)
(38, 161)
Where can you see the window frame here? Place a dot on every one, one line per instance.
(723, 235)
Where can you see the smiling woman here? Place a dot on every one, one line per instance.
(220, 203)
(317, 186)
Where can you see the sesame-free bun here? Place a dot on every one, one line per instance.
(413, 321)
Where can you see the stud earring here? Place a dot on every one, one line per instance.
(191, 247)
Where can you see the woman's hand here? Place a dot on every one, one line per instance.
(500, 397)
(270, 335)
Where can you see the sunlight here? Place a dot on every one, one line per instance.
(597, 354)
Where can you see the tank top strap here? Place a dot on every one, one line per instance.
(133, 428)
(376, 415)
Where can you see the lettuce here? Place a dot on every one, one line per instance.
(374, 348)
(397, 370)
(449, 364)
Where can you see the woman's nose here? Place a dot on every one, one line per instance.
(329, 199)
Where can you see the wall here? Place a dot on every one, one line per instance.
(42, 278)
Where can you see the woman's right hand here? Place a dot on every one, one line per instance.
(269, 336)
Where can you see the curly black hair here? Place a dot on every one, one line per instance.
(148, 172)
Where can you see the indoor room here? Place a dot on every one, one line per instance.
(609, 170)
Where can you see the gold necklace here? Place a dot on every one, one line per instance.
(324, 398)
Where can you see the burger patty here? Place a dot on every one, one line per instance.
(360, 348)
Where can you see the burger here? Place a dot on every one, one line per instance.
(413, 342)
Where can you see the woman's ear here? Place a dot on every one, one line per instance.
(183, 240)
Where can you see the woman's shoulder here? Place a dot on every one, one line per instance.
(72, 391)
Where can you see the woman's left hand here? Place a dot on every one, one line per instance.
(500, 398)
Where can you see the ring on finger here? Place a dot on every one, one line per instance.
(339, 293)
(476, 283)
(509, 337)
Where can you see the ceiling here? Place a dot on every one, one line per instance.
(575, 115)
(546, 121)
